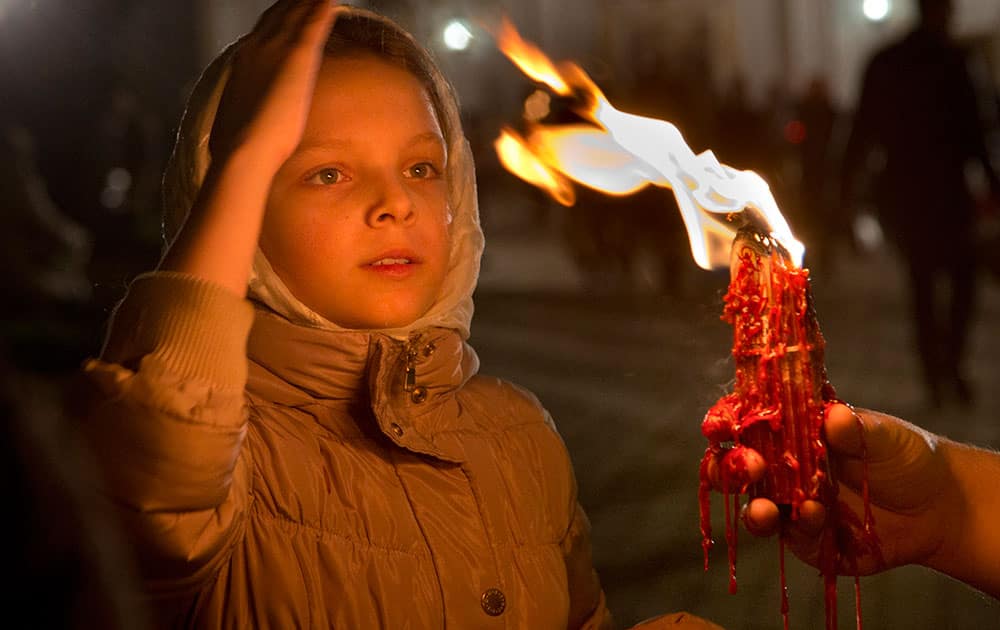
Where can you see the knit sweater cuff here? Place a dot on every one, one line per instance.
(195, 328)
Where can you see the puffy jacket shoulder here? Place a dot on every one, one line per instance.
(505, 404)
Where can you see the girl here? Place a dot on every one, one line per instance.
(290, 417)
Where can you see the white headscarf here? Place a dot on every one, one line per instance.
(190, 160)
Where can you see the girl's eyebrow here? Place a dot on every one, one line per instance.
(321, 144)
(430, 136)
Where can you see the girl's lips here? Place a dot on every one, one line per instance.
(395, 264)
(394, 256)
(393, 270)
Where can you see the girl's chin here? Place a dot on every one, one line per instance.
(377, 318)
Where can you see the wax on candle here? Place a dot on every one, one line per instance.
(777, 407)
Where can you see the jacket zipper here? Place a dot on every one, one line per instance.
(410, 381)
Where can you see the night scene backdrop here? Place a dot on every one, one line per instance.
(597, 308)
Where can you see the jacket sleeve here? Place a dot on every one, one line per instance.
(588, 609)
(164, 411)
(588, 606)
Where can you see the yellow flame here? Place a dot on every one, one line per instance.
(532, 61)
(620, 153)
(518, 158)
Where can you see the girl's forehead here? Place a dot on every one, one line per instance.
(364, 63)
(374, 70)
(372, 91)
(359, 78)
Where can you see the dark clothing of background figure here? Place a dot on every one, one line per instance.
(918, 106)
(815, 212)
(71, 565)
(47, 323)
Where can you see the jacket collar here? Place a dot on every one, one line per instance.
(408, 386)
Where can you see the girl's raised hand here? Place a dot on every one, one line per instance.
(260, 120)
(266, 100)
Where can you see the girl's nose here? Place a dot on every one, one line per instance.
(391, 203)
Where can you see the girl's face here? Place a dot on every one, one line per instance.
(357, 219)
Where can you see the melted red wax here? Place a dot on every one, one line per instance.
(777, 408)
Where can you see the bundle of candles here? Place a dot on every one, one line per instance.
(781, 394)
(777, 408)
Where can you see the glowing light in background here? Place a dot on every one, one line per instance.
(457, 35)
(876, 10)
(117, 184)
(795, 132)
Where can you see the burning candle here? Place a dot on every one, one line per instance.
(781, 383)
(780, 398)
(781, 392)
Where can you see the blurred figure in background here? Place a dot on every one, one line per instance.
(123, 212)
(812, 131)
(751, 136)
(918, 108)
(45, 255)
(738, 128)
(71, 565)
(46, 251)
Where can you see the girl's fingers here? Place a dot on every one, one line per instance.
(314, 25)
(272, 20)
(286, 19)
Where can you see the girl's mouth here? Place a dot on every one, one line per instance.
(391, 261)
(394, 265)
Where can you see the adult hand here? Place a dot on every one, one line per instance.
(267, 98)
(676, 621)
(913, 495)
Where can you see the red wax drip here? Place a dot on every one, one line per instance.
(779, 401)
(784, 583)
(704, 501)
(731, 542)
(831, 600)
(857, 600)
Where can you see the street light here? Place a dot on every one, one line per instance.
(876, 10)
(457, 35)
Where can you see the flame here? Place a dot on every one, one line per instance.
(518, 157)
(532, 61)
(619, 153)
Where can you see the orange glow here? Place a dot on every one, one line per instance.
(532, 61)
(619, 153)
(519, 159)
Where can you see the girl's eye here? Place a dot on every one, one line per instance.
(326, 177)
(424, 170)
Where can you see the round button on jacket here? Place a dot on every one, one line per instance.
(418, 395)
(494, 602)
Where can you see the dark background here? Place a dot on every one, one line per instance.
(596, 308)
